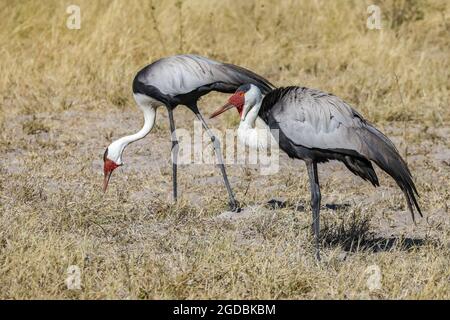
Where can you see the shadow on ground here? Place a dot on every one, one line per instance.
(279, 204)
(353, 235)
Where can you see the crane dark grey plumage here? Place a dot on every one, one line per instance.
(182, 80)
(317, 127)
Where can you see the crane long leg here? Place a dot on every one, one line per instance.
(315, 202)
(234, 206)
(174, 153)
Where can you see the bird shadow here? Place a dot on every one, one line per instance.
(353, 235)
(301, 207)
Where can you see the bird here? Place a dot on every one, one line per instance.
(180, 80)
(316, 127)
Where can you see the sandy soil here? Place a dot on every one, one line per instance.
(54, 160)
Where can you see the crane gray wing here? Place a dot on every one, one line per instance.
(314, 119)
(318, 120)
(182, 74)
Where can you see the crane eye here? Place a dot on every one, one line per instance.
(241, 94)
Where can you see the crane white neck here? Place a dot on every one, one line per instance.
(248, 120)
(253, 132)
(148, 107)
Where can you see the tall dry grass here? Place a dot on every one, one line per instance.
(323, 44)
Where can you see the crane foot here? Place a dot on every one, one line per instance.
(318, 258)
(234, 206)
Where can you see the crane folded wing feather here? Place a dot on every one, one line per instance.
(317, 120)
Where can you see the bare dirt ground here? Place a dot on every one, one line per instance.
(132, 242)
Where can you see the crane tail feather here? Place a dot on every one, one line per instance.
(382, 151)
(362, 168)
(247, 76)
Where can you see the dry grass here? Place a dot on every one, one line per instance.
(65, 94)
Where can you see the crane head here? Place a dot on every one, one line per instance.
(237, 100)
(108, 167)
(243, 100)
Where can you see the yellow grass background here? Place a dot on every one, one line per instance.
(323, 44)
(65, 94)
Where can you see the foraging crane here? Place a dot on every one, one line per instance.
(175, 80)
(316, 127)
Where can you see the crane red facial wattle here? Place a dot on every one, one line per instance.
(109, 166)
(238, 100)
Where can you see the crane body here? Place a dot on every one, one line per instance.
(317, 127)
(181, 80)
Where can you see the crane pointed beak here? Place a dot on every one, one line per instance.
(221, 110)
(106, 180)
(108, 167)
